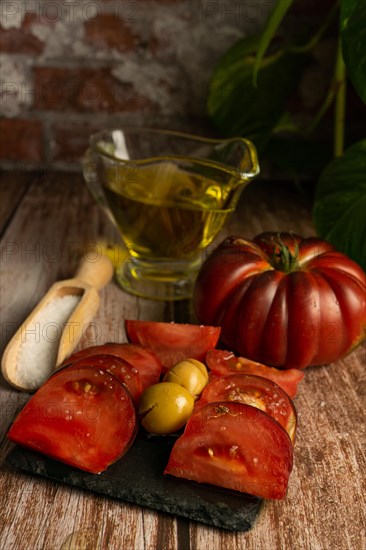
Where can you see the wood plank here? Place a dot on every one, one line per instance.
(13, 186)
(325, 506)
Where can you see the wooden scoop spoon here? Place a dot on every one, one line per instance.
(55, 326)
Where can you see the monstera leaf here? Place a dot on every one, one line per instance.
(340, 203)
(237, 106)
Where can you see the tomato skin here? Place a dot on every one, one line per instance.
(143, 360)
(83, 417)
(311, 315)
(255, 391)
(173, 342)
(124, 371)
(236, 446)
(223, 363)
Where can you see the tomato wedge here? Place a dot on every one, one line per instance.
(81, 416)
(256, 391)
(236, 446)
(173, 342)
(143, 360)
(121, 369)
(222, 363)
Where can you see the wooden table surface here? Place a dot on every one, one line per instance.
(46, 222)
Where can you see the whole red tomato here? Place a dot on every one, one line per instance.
(283, 300)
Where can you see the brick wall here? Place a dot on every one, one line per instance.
(69, 68)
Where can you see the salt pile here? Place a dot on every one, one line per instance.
(41, 339)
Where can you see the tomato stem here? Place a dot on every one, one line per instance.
(284, 259)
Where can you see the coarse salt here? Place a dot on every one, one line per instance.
(38, 351)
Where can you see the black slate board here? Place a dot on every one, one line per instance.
(138, 478)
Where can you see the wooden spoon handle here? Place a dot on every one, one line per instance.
(96, 273)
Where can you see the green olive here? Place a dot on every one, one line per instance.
(191, 374)
(165, 408)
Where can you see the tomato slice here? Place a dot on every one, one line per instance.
(173, 342)
(121, 369)
(81, 416)
(236, 446)
(145, 361)
(256, 391)
(222, 363)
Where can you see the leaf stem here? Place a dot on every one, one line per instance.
(328, 100)
(280, 9)
(340, 103)
(318, 35)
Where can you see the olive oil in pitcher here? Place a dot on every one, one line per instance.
(164, 212)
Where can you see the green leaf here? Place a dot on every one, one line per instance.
(340, 203)
(269, 31)
(353, 32)
(236, 106)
